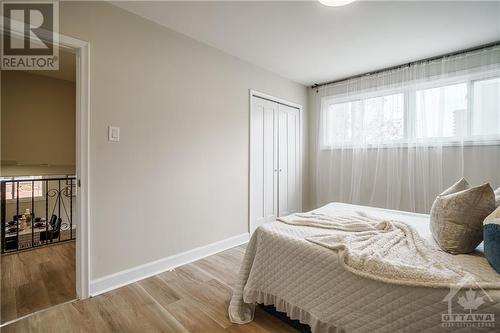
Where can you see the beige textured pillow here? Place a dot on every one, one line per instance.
(461, 185)
(457, 216)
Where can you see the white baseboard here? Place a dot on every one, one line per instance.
(120, 279)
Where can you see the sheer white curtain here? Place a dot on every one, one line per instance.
(398, 138)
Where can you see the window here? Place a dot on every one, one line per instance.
(383, 119)
(442, 112)
(486, 115)
(466, 109)
(338, 123)
(26, 188)
(371, 120)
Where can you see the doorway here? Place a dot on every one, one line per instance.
(38, 189)
(66, 191)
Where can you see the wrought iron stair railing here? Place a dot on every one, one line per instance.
(36, 212)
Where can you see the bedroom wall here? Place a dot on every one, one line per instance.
(38, 121)
(178, 179)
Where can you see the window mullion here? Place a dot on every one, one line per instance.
(470, 99)
(410, 103)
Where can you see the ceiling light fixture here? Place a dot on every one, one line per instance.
(336, 3)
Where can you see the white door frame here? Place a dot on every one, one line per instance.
(82, 51)
(271, 98)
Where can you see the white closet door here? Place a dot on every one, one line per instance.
(288, 160)
(263, 165)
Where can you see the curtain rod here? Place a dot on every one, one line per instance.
(408, 64)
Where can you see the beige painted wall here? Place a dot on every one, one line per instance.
(38, 120)
(178, 179)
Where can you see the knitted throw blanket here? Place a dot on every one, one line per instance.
(387, 251)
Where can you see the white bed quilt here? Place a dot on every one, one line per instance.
(307, 282)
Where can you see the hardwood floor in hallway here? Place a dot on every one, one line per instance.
(191, 299)
(37, 279)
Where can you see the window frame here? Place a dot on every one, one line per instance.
(409, 92)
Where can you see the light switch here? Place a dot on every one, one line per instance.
(113, 133)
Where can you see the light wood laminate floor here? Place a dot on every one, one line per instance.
(37, 279)
(191, 299)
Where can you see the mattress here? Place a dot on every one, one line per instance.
(307, 282)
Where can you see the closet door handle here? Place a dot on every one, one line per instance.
(275, 170)
(281, 170)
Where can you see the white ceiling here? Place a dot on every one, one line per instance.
(311, 43)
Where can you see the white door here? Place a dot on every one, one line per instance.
(289, 186)
(263, 162)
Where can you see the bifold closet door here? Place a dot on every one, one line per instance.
(288, 160)
(263, 162)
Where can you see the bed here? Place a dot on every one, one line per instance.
(306, 281)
